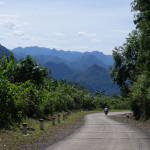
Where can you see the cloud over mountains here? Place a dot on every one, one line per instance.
(58, 24)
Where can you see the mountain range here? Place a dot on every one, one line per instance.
(4, 51)
(90, 69)
(70, 56)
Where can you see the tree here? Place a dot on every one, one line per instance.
(10, 104)
(142, 18)
(132, 62)
(25, 69)
(125, 62)
(6, 62)
(142, 21)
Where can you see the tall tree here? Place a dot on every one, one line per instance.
(142, 21)
(125, 62)
(142, 16)
(25, 69)
(131, 68)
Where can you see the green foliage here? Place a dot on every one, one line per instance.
(26, 69)
(142, 18)
(25, 92)
(6, 62)
(31, 97)
(132, 62)
(88, 104)
(126, 62)
(49, 103)
(111, 102)
(140, 97)
(10, 104)
(100, 94)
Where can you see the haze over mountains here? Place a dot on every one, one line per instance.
(90, 69)
(4, 51)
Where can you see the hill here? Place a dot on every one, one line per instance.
(70, 56)
(4, 51)
(60, 70)
(96, 78)
(38, 51)
(106, 59)
(90, 69)
(85, 61)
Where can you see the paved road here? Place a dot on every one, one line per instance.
(101, 133)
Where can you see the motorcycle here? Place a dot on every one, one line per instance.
(106, 110)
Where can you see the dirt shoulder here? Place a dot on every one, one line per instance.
(129, 120)
(65, 131)
(39, 140)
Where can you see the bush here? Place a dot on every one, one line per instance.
(10, 104)
(112, 102)
(49, 103)
(140, 103)
(88, 102)
(32, 99)
(24, 70)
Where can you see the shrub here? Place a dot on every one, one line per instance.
(10, 104)
(32, 99)
(140, 103)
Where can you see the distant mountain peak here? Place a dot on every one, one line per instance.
(4, 51)
(95, 66)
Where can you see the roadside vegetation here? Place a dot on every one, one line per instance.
(40, 139)
(131, 70)
(27, 92)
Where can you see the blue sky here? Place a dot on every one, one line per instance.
(77, 25)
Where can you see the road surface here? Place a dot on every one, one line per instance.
(101, 133)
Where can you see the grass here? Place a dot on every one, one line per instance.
(14, 140)
(38, 139)
(132, 121)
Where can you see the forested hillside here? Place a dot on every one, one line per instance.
(27, 92)
(86, 61)
(71, 66)
(96, 78)
(60, 70)
(70, 56)
(131, 70)
(4, 51)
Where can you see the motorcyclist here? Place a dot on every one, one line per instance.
(106, 110)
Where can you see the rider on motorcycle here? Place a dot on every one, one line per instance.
(106, 110)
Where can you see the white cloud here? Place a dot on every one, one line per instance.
(26, 38)
(122, 31)
(11, 22)
(8, 16)
(1, 3)
(85, 34)
(9, 25)
(2, 38)
(94, 24)
(95, 40)
(18, 33)
(59, 34)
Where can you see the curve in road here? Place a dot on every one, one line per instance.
(102, 133)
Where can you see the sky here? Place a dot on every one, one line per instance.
(75, 25)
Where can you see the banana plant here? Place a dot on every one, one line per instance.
(100, 93)
(5, 63)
